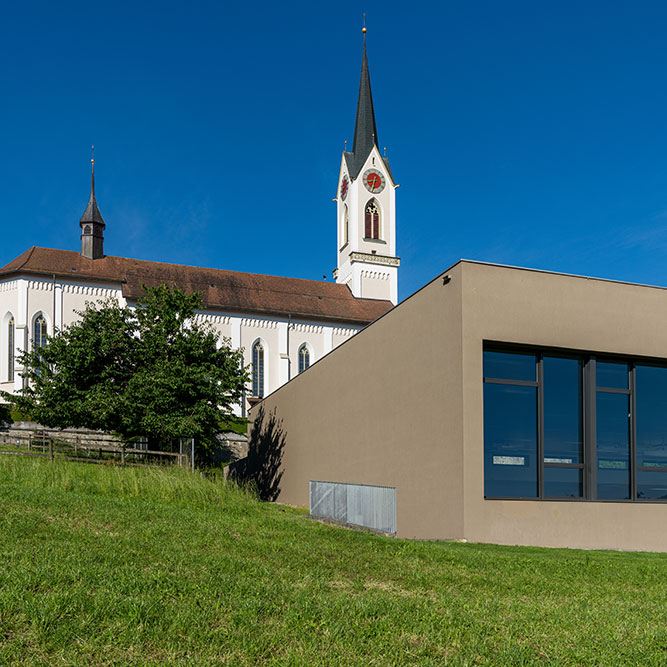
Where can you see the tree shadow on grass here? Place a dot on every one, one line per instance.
(262, 466)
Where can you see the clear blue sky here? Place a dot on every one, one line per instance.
(524, 133)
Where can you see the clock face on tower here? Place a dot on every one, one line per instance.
(374, 181)
(343, 188)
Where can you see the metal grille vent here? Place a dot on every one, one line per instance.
(369, 506)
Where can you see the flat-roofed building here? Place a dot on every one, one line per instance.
(496, 404)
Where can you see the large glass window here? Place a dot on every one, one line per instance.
(651, 401)
(503, 366)
(613, 445)
(574, 426)
(510, 425)
(563, 427)
(510, 440)
(612, 408)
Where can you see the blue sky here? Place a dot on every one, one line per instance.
(532, 134)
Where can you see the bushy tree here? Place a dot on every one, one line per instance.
(154, 371)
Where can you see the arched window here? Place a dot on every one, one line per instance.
(39, 331)
(258, 370)
(372, 215)
(304, 358)
(11, 347)
(346, 226)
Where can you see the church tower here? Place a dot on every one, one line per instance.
(366, 206)
(92, 224)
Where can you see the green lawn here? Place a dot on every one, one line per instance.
(104, 566)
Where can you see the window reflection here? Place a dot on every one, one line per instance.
(652, 485)
(534, 402)
(510, 441)
(563, 482)
(504, 366)
(612, 374)
(563, 442)
(651, 397)
(613, 445)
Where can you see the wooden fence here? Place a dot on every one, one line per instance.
(45, 445)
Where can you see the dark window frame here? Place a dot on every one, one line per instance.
(588, 390)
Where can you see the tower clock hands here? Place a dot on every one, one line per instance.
(374, 181)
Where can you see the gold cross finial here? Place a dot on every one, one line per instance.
(363, 18)
(92, 154)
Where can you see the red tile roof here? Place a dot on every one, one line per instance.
(221, 290)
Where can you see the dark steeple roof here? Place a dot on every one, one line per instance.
(92, 212)
(365, 132)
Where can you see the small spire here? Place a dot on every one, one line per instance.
(92, 212)
(92, 169)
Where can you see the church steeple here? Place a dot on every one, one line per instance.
(367, 261)
(365, 132)
(92, 224)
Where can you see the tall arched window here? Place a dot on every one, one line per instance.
(372, 215)
(346, 226)
(258, 370)
(39, 334)
(39, 331)
(11, 347)
(304, 358)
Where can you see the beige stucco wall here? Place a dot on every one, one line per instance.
(553, 310)
(364, 414)
(401, 404)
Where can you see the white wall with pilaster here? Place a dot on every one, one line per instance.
(9, 308)
(58, 301)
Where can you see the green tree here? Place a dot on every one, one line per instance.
(154, 371)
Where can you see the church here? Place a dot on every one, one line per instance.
(282, 324)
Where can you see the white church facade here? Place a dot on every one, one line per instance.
(282, 324)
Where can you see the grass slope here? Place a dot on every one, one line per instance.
(138, 566)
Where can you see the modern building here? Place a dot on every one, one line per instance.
(496, 404)
(282, 324)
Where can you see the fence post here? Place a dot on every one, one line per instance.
(193, 454)
(51, 448)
